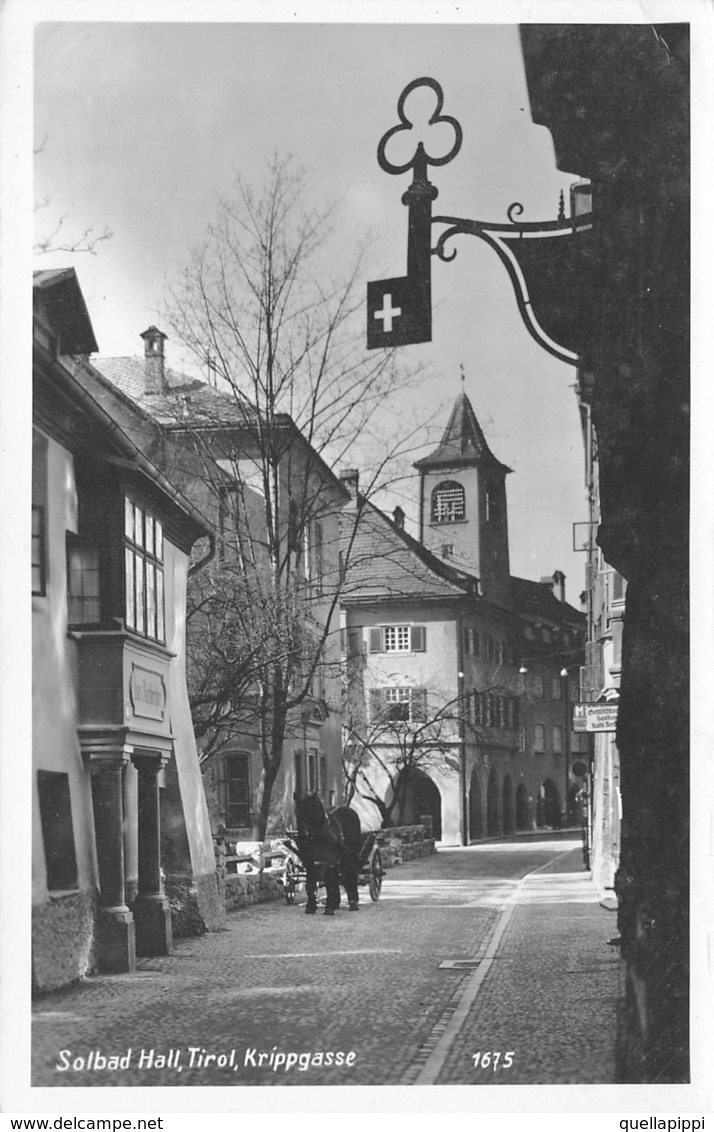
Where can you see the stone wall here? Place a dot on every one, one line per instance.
(404, 843)
(243, 889)
(63, 940)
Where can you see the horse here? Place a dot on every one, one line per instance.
(332, 841)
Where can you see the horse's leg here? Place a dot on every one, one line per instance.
(311, 888)
(351, 875)
(332, 886)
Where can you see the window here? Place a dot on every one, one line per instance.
(38, 550)
(557, 688)
(557, 737)
(143, 571)
(227, 512)
(83, 589)
(319, 563)
(501, 711)
(237, 803)
(312, 772)
(397, 638)
(538, 686)
(618, 586)
(57, 830)
(299, 776)
(539, 737)
(521, 738)
(448, 503)
(472, 642)
(398, 705)
(447, 550)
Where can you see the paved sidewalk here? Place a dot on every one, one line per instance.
(549, 995)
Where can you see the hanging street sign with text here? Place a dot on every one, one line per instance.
(595, 717)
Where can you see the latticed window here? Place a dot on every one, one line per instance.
(144, 572)
(396, 638)
(448, 503)
(83, 583)
(398, 704)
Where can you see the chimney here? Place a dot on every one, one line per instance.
(398, 516)
(559, 581)
(350, 481)
(154, 371)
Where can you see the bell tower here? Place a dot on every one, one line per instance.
(462, 503)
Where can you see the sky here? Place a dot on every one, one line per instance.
(140, 126)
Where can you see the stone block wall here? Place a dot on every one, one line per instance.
(405, 843)
(243, 889)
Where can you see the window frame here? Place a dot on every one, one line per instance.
(415, 637)
(150, 595)
(233, 757)
(38, 542)
(457, 502)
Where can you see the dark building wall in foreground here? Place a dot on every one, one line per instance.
(616, 99)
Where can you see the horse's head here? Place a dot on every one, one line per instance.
(310, 816)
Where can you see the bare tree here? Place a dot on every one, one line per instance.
(292, 392)
(56, 238)
(386, 740)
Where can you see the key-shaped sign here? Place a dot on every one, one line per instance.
(399, 310)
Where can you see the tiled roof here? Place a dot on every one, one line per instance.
(463, 441)
(537, 599)
(186, 398)
(386, 562)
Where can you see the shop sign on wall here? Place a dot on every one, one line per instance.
(595, 717)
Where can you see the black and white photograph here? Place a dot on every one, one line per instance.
(354, 730)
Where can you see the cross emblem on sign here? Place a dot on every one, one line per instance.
(388, 313)
(397, 314)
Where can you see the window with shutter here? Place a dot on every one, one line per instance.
(376, 640)
(418, 635)
(376, 705)
(418, 705)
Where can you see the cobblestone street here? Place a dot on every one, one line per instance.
(542, 986)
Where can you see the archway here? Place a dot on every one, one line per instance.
(507, 805)
(475, 808)
(522, 809)
(548, 805)
(492, 824)
(421, 797)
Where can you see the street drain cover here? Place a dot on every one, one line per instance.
(459, 964)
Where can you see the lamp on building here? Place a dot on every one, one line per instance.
(522, 670)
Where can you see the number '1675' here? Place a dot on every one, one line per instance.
(493, 1059)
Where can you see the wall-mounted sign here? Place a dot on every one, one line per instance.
(595, 717)
(147, 692)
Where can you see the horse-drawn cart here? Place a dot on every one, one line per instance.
(371, 871)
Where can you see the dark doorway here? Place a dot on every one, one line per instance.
(523, 819)
(421, 797)
(548, 807)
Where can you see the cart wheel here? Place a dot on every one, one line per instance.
(376, 873)
(291, 881)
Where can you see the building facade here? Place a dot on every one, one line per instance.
(122, 854)
(271, 726)
(606, 591)
(459, 696)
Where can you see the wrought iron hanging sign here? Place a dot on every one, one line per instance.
(539, 257)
